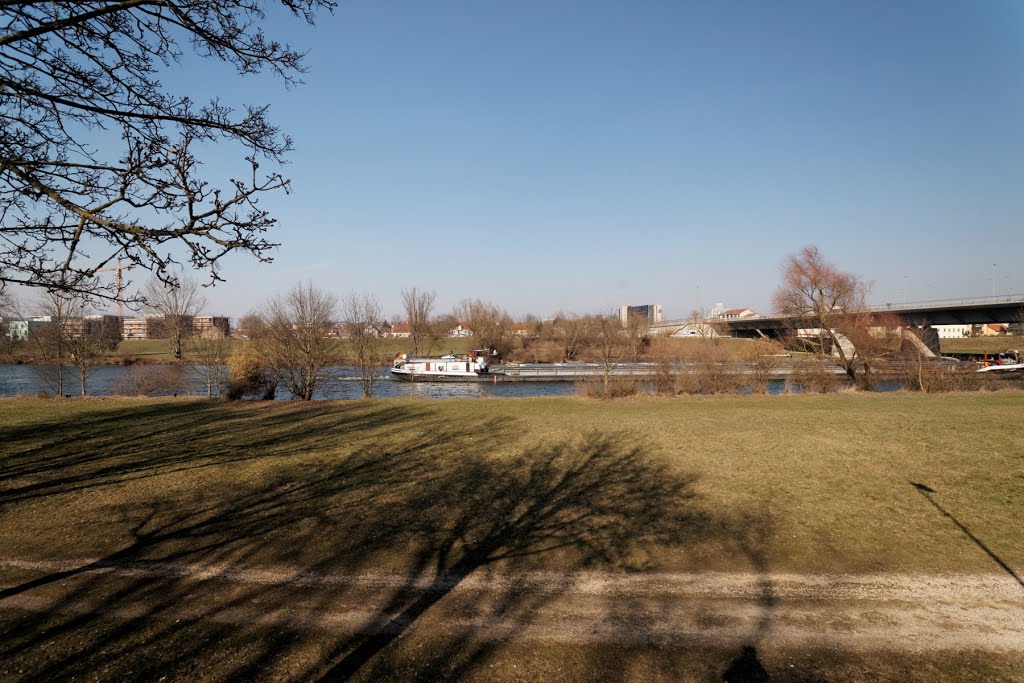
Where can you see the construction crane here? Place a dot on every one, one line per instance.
(117, 270)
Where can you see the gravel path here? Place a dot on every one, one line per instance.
(895, 612)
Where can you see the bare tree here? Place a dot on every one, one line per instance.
(763, 358)
(7, 308)
(490, 325)
(209, 352)
(437, 331)
(418, 307)
(876, 338)
(176, 306)
(362, 316)
(573, 331)
(89, 339)
(247, 323)
(97, 157)
(294, 338)
(610, 344)
(821, 297)
(49, 338)
(65, 335)
(636, 329)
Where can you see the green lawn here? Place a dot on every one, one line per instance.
(409, 487)
(982, 344)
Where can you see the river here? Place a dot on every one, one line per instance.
(108, 380)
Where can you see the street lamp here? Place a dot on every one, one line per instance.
(994, 280)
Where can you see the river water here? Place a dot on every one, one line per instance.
(109, 380)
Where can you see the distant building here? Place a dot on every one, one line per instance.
(135, 328)
(737, 314)
(201, 323)
(953, 331)
(19, 330)
(398, 330)
(101, 326)
(722, 313)
(649, 312)
(158, 328)
(460, 330)
(988, 330)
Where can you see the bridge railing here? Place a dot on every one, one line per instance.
(915, 306)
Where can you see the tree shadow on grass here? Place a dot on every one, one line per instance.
(595, 503)
(105, 447)
(264, 580)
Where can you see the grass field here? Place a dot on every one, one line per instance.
(982, 344)
(102, 502)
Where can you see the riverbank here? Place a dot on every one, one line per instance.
(157, 352)
(286, 541)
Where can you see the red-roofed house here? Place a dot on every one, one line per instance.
(460, 330)
(399, 330)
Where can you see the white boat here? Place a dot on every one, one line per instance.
(468, 367)
(1005, 367)
(1008, 361)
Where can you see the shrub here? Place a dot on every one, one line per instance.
(763, 358)
(936, 376)
(248, 375)
(152, 380)
(814, 378)
(618, 387)
(538, 351)
(712, 371)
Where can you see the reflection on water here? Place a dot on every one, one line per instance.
(28, 380)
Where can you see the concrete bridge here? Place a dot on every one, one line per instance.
(978, 311)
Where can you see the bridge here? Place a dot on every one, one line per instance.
(977, 311)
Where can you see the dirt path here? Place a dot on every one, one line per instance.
(895, 612)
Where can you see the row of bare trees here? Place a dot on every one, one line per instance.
(65, 335)
(292, 345)
(490, 325)
(66, 338)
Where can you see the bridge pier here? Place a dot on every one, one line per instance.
(924, 340)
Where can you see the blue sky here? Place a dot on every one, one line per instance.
(577, 155)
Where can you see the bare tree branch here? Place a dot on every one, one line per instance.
(176, 307)
(363, 316)
(418, 307)
(293, 338)
(97, 157)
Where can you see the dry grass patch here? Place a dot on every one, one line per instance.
(145, 530)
